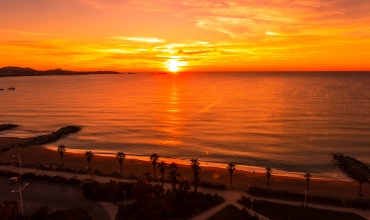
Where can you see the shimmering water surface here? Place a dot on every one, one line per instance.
(291, 122)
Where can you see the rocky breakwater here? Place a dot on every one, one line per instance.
(53, 137)
(4, 127)
(351, 166)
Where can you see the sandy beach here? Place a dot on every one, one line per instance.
(241, 179)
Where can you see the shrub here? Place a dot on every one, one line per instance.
(359, 203)
(8, 173)
(28, 175)
(132, 176)
(57, 179)
(73, 181)
(41, 177)
(212, 185)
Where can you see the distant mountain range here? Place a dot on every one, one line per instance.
(20, 71)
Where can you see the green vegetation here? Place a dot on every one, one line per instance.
(88, 156)
(268, 175)
(232, 212)
(287, 195)
(231, 168)
(361, 203)
(281, 211)
(120, 156)
(212, 185)
(154, 159)
(61, 151)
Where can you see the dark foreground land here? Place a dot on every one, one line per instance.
(19, 71)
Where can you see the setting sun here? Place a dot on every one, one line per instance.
(174, 64)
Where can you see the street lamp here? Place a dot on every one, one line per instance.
(20, 163)
(305, 195)
(20, 194)
(251, 204)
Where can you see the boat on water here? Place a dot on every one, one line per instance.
(11, 88)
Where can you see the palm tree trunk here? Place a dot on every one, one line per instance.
(154, 171)
(231, 179)
(62, 161)
(307, 187)
(268, 182)
(162, 180)
(121, 167)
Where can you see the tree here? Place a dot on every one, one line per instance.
(61, 151)
(120, 156)
(184, 187)
(10, 209)
(162, 168)
(146, 177)
(173, 174)
(168, 197)
(88, 156)
(195, 167)
(113, 188)
(308, 178)
(154, 159)
(268, 174)
(361, 176)
(231, 168)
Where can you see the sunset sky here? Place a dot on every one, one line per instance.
(186, 35)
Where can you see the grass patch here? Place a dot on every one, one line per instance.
(294, 196)
(232, 212)
(282, 211)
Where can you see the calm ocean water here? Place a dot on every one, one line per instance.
(292, 122)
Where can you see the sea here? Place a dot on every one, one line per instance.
(292, 122)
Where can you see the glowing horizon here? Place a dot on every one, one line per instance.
(202, 35)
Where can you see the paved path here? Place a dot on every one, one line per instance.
(231, 196)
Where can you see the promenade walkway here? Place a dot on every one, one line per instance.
(231, 196)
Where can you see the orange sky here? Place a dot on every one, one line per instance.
(189, 35)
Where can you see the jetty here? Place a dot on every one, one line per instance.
(351, 165)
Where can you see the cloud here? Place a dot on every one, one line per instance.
(140, 39)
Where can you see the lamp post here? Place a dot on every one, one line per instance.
(20, 194)
(20, 163)
(305, 195)
(251, 204)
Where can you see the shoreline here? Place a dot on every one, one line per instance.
(210, 164)
(36, 155)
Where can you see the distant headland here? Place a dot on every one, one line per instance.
(20, 71)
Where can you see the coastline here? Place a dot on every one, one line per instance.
(37, 155)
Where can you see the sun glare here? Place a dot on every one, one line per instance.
(173, 65)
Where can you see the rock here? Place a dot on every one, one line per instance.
(4, 127)
(54, 136)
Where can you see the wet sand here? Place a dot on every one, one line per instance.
(241, 179)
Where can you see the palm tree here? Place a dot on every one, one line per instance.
(162, 168)
(194, 166)
(88, 156)
(154, 158)
(361, 177)
(173, 174)
(268, 174)
(184, 187)
(308, 178)
(146, 177)
(120, 156)
(167, 197)
(61, 151)
(231, 168)
(113, 189)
